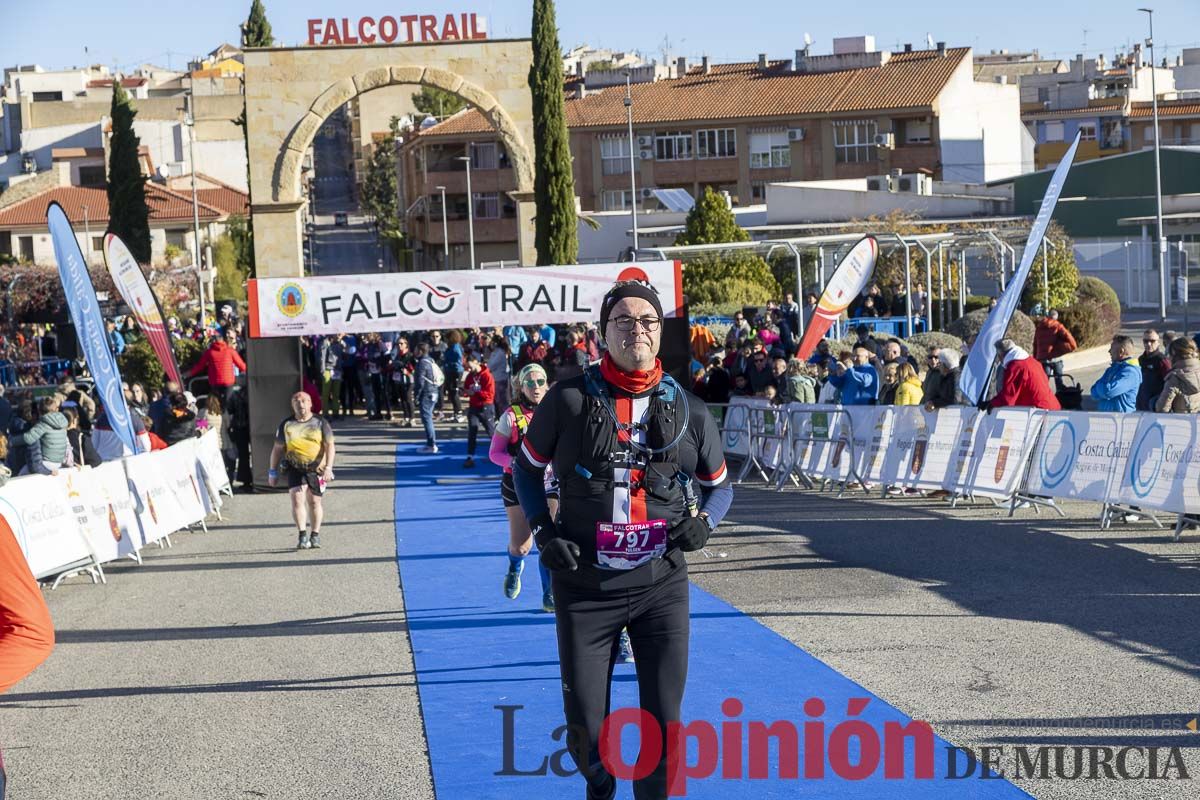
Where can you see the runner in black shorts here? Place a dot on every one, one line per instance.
(304, 450)
(506, 442)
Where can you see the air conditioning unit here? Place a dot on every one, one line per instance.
(915, 182)
(646, 141)
(795, 134)
(881, 183)
(885, 140)
(647, 193)
(646, 155)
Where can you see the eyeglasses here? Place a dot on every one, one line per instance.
(649, 324)
(533, 383)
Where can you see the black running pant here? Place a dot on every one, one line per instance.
(480, 418)
(589, 625)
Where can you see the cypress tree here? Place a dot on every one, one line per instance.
(128, 215)
(257, 31)
(555, 236)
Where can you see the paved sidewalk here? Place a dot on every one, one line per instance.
(233, 666)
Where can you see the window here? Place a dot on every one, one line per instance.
(483, 155)
(5, 243)
(617, 200)
(916, 131)
(719, 143)
(854, 141)
(487, 205)
(25, 248)
(614, 155)
(97, 244)
(770, 150)
(1043, 94)
(47, 97)
(758, 191)
(1087, 131)
(1054, 132)
(92, 177)
(672, 146)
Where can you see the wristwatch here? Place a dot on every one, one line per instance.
(707, 521)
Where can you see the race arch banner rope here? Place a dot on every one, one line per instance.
(1137, 459)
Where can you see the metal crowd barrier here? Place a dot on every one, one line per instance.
(802, 436)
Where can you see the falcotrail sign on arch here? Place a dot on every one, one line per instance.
(448, 299)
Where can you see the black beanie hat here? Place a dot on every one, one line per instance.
(623, 289)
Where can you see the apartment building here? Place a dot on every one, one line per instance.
(855, 113)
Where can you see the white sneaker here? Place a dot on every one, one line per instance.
(429, 448)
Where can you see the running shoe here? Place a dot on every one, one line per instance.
(304, 543)
(512, 582)
(315, 540)
(625, 649)
(548, 602)
(470, 462)
(429, 449)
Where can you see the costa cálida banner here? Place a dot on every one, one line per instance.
(138, 295)
(448, 299)
(89, 324)
(848, 280)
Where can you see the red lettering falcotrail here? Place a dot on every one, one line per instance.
(404, 29)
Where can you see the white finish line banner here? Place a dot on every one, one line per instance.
(448, 299)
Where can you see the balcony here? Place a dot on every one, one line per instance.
(483, 180)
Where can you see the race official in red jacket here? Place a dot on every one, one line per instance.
(218, 361)
(479, 387)
(1023, 382)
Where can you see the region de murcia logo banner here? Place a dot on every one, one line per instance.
(448, 299)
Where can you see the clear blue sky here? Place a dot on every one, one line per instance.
(54, 33)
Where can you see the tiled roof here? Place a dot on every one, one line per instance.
(165, 206)
(229, 200)
(1114, 105)
(1166, 108)
(734, 91)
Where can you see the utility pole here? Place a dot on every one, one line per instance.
(1162, 243)
(189, 120)
(633, 198)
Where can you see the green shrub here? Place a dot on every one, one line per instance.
(1020, 328)
(920, 344)
(1062, 275)
(1091, 322)
(718, 290)
(1092, 288)
(140, 364)
(974, 302)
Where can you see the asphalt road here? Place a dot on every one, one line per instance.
(338, 250)
(232, 666)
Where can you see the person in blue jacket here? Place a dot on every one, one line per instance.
(1118, 387)
(859, 385)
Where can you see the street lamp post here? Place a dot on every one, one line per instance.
(189, 120)
(445, 231)
(633, 198)
(1162, 243)
(470, 208)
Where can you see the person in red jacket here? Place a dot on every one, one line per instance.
(26, 631)
(219, 360)
(1023, 382)
(1052, 341)
(479, 387)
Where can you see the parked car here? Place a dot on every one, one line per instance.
(340, 218)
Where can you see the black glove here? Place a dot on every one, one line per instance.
(691, 534)
(559, 554)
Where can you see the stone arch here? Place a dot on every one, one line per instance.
(285, 183)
